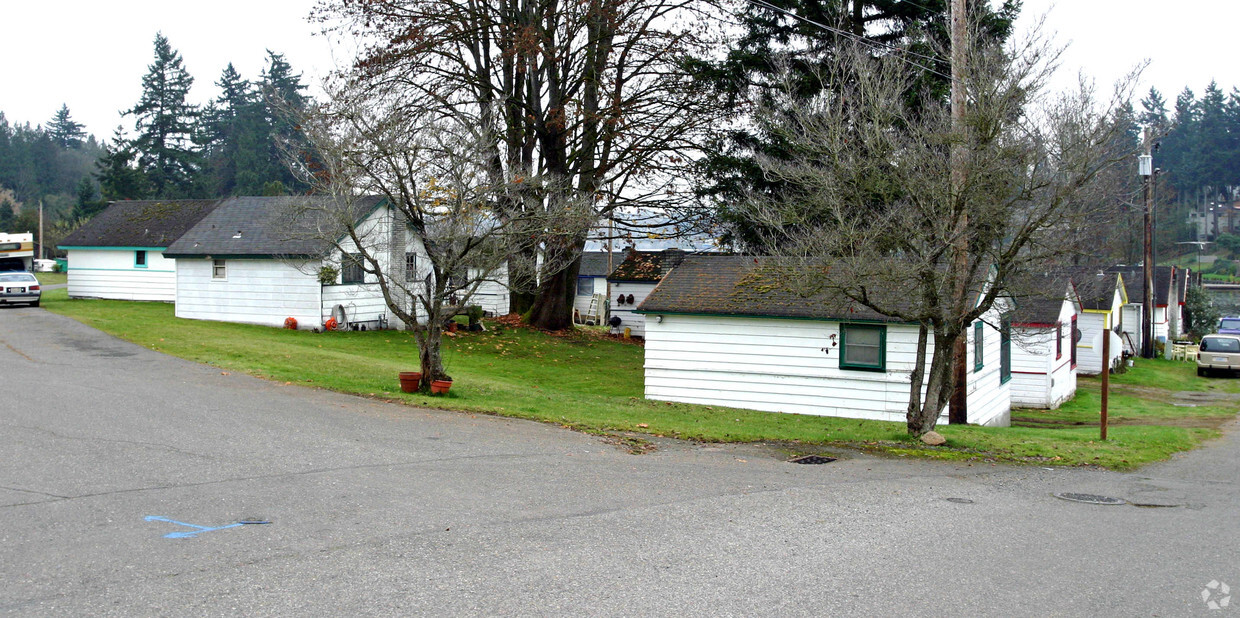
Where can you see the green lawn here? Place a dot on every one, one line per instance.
(588, 382)
(52, 278)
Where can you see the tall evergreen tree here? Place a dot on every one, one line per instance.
(1213, 144)
(165, 122)
(282, 93)
(793, 40)
(226, 127)
(119, 177)
(64, 131)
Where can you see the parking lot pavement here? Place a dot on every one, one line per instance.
(377, 508)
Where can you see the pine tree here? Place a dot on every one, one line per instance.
(224, 125)
(282, 95)
(88, 203)
(119, 177)
(165, 122)
(64, 131)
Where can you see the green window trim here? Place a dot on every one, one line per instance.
(979, 346)
(1005, 349)
(862, 366)
(140, 259)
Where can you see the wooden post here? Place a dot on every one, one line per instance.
(1106, 379)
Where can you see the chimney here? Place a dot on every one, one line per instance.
(671, 259)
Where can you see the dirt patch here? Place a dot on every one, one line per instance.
(1203, 422)
(1189, 397)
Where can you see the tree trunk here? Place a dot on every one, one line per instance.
(923, 414)
(431, 355)
(553, 309)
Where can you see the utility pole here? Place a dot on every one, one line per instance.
(1145, 167)
(41, 253)
(959, 411)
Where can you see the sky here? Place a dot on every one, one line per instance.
(91, 55)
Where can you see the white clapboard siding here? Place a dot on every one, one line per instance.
(636, 322)
(1039, 378)
(492, 293)
(596, 285)
(253, 292)
(113, 274)
(989, 397)
(362, 302)
(1161, 324)
(784, 365)
(1131, 326)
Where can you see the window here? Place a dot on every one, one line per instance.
(411, 267)
(979, 346)
(1005, 349)
(139, 259)
(1072, 334)
(863, 347)
(1058, 340)
(218, 269)
(351, 268)
(585, 286)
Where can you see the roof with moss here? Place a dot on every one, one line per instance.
(267, 227)
(140, 223)
(744, 286)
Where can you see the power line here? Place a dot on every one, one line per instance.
(878, 45)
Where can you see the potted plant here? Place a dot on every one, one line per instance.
(440, 387)
(409, 381)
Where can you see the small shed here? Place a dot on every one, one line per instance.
(633, 280)
(1103, 297)
(1044, 355)
(1134, 279)
(592, 278)
(716, 334)
(119, 254)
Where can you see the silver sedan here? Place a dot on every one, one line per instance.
(19, 288)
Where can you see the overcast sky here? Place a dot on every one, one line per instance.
(92, 55)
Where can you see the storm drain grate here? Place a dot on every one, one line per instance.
(1089, 498)
(812, 460)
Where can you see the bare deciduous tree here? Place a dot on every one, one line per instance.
(444, 239)
(588, 101)
(874, 219)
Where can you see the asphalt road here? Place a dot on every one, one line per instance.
(381, 509)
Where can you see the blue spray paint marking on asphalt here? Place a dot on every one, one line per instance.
(182, 535)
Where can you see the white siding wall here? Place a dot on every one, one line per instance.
(492, 293)
(1039, 380)
(110, 273)
(989, 399)
(1132, 328)
(779, 365)
(629, 319)
(1161, 318)
(361, 303)
(582, 302)
(1089, 351)
(254, 292)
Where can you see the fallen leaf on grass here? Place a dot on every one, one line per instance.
(642, 425)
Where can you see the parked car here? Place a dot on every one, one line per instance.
(1218, 353)
(1229, 325)
(19, 288)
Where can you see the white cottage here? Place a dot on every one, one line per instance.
(119, 254)
(241, 263)
(592, 281)
(633, 280)
(1134, 287)
(1102, 300)
(715, 338)
(1044, 356)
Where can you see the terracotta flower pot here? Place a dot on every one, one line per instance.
(409, 381)
(440, 387)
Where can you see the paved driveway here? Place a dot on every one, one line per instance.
(379, 509)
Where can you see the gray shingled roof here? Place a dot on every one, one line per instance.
(739, 285)
(1039, 299)
(594, 263)
(1134, 283)
(140, 223)
(260, 227)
